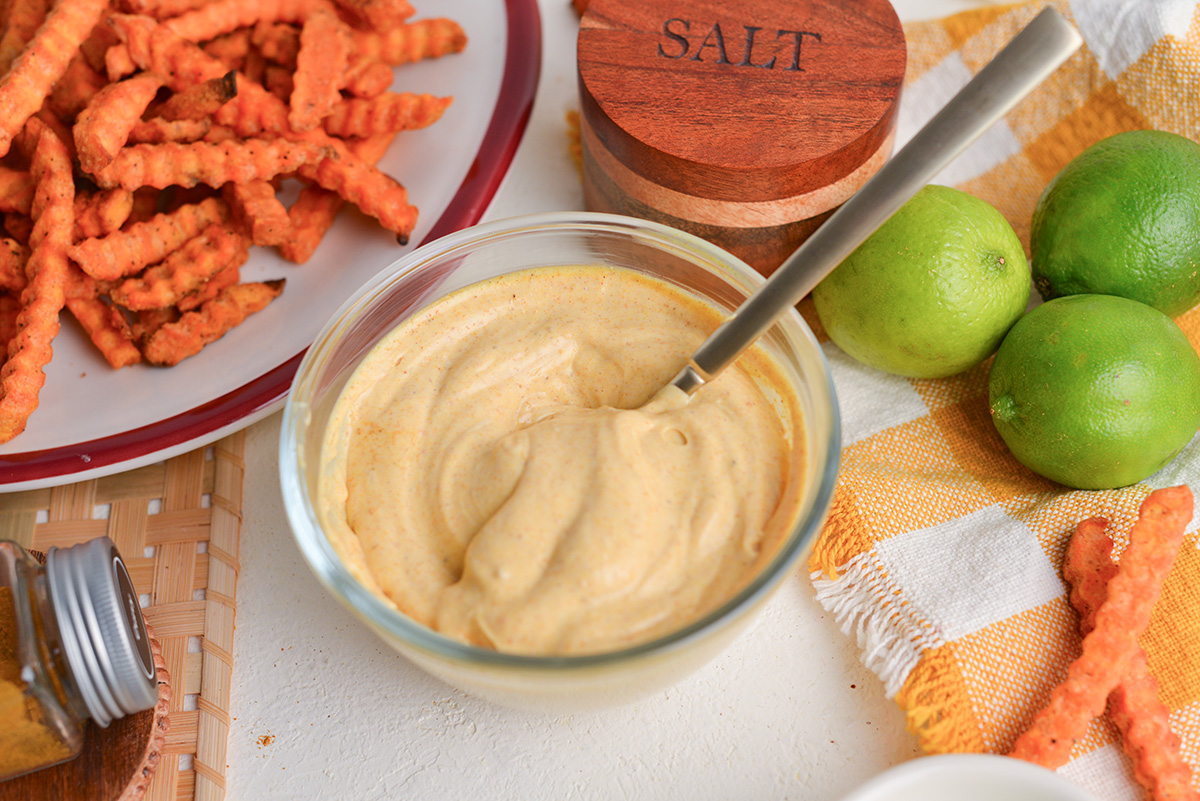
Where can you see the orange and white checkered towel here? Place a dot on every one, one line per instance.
(943, 553)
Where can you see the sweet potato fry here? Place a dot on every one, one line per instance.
(377, 15)
(176, 164)
(259, 211)
(213, 287)
(16, 191)
(128, 251)
(174, 342)
(101, 213)
(19, 227)
(278, 81)
(320, 64)
(255, 110)
(230, 49)
(13, 256)
(182, 272)
(103, 127)
(25, 86)
(117, 63)
(24, 18)
(78, 85)
(202, 100)
(146, 323)
(414, 41)
(22, 376)
(313, 212)
(107, 328)
(95, 47)
(366, 77)
(10, 308)
(1109, 648)
(390, 111)
(279, 42)
(1133, 705)
(224, 16)
(158, 131)
(161, 9)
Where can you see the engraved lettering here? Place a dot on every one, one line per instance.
(746, 62)
(718, 41)
(677, 37)
(797, 38)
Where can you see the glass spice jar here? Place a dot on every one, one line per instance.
(73, 646)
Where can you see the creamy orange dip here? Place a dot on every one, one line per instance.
(503, 468)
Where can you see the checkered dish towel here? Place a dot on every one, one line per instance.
(943, 554)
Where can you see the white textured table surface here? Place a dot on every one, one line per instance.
(322, 709)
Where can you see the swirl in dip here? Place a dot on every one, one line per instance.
(503, 467)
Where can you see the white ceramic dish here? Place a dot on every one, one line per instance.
(969, 777)
(93, 420)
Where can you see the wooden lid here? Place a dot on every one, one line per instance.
(745, 101)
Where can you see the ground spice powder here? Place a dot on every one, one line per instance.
(27, 741)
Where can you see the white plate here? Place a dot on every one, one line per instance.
(93, 420)
(969, 777)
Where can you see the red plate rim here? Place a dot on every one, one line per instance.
(255, 399)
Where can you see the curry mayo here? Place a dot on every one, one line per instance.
(504, 468)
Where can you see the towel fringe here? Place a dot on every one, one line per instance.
(889, 634)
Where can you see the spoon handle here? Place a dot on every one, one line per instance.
(1045, 43)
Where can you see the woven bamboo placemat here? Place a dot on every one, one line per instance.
(177, 524)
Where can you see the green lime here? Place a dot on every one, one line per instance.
(1095, 391)
(1123, 218)
(932, 292)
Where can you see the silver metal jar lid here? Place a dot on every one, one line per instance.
(103, 632)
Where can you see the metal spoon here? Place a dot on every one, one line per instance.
(1045, 43)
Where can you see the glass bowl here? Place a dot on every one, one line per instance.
(552, 683)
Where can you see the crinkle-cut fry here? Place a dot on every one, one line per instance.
(257, 208)
(213, 287)
(201, 100)
(315, 209)
(10, 308)
(225, 16)
(24, 18)
(107, 328)
(16, 190)
(278, 81)
(103, 127)
(26, 139)
(130, 250)
(25, 86)
(230, 49)
(372, 191)
(377, 15)
(100, 213)
(189, 164)
(147, 322)
(320, 64)
(1108, 648)
(161, 9)
(1133, 706)
(182, 272)
(78, 85)
(174, 342)
(391, 111)
(158, 131)
(94, 48)
(23, 375)
(13, 257)
(366, 77)
(413, 41)
(117, 63)
(19, 227)
(255, 110)
(279, 42)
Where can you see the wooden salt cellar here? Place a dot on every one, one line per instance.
(745, 123)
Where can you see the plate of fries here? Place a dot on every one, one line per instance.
(193, 187)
